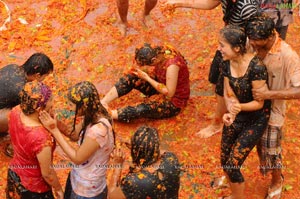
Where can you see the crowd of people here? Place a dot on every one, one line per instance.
(254, 72)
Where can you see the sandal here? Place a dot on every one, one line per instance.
(277, 192)
(9, 150)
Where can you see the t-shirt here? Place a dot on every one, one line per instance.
(242, 10)
(27, 143)
(242, 86)
(12, 81)
(182, 92)
(89, 178)
(283, 65)
(144, 185)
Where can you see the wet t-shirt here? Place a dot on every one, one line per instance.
(144, 185)
(242, 86)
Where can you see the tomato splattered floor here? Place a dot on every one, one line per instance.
(83, 41)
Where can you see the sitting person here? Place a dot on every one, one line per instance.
(96, 139)
(154, 175)
(30, 172)
(12, 81)
(171, 79)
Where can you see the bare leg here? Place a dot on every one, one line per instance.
(275, 189)
(123, 6)
(237, 190)
(217, 124)
(149, 5)
(110, 96)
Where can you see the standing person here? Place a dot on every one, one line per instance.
(247, 118)
(170, 79)
(153, 175)
(96, 141)
(30, 172)
(12, 81)
(283, 66)
(281, 12)
(234, 13)
(123, 6)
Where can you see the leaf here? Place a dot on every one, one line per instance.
(287, 187)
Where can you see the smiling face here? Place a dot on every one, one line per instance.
(227, 51)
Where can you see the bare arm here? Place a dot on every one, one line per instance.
(45, 161)
(255, 104)
(198, 4)
(114, 189)
(231, 101)
(78, 156)
(66, 129)
(171, 80)
(264, 93)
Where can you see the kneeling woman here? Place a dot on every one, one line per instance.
(246, 118)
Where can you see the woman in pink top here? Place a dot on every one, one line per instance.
(30, 173)
(96, 141)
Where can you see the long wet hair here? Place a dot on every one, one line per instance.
(33, 96)
(145, 147)
(84, 94)
(38, 63)
(260, 27)
(235, 36)
(145, 54)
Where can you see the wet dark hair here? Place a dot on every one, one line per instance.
(235, 36)
(260, 27)
(85, 94)
(34, 95)
(145, 54)
(145, 146)
(38, 63)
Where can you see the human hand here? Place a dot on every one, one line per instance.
(234, 107)
(118, 156)
(228, 119)
(59, 194)
(47, 121)
(260, 94)
(126, 142)
(141, 74)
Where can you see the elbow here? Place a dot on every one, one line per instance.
(259, 105)
(169, 94)
(77, 161)
(47, 175)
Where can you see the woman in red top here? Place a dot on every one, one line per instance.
(170, 79)
(30, 173)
